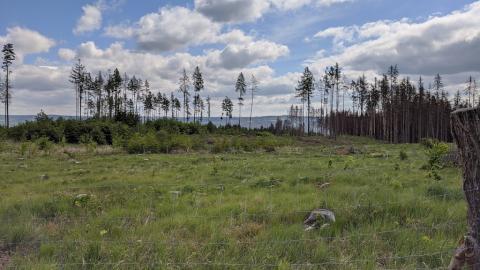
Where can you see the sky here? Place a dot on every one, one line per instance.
(274, 40)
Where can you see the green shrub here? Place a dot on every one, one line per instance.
(158, 136)
(44, 144)
(435, 153)
(428, 142)
(182, 142)
(142, 143)
(403, 155)
(220, 145)
(3, 133)
(24, 147)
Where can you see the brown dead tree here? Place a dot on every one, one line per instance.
(466, 133)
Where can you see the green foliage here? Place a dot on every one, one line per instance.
(3, 133)
(44, 144)
(403, 155)
(433, 173)
(428, 142)
(435, 151)
(24, 148)
(158, 136)
(147, 143)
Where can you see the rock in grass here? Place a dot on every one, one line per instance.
(74, 161)
(323, 185)
(318, 218)
(44, 177)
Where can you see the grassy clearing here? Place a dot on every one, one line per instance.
(103, 209)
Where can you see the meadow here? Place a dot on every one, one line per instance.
(80, 207)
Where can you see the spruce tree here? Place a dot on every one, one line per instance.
(197, 87)
(304, 90)
(8, 58)
(241, 89)
(184, 90)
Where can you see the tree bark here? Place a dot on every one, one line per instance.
(466, 133)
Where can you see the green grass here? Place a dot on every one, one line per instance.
(201, 210)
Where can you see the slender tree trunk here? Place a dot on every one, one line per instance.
(308, 115)
(251, 111)
(7, 100)
(194, 109)
(184, 107)
(239, 114)
(466, 133)
(80, 103)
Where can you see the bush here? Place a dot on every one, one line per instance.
(35, 130)
(428, 142)
(403, 155)
(157, 136)
(44, 144)
(147, 143)
(435, 152)
(127, 118)
(220, 145)
(3, 133)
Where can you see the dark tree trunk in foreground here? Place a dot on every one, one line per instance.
(466, 133)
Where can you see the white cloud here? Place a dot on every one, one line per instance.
(119, 31)
(340, 35)
(26, 41)
(242, 55)
(442, 44)
(237, 11)
(178, 27)
(41, 78)
(232, 10)
(169, 29)
(66, 54)
(175, 27)
(90, 20)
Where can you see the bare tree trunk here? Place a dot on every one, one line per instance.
(7, 100)
(466, 133)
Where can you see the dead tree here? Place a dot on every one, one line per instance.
(466, 133)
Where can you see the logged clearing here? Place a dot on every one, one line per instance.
(75, 208)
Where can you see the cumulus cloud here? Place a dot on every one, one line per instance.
(168, 29)
(236, 11)
(26, 41)
(242, 55)
(232, 10)
(90, 20)
(443, 44)
(178, 27)
(119, 31)
(41, 78)
(175, 27)
(66, 54)
(294, 4)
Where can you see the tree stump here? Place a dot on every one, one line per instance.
(466, 133)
